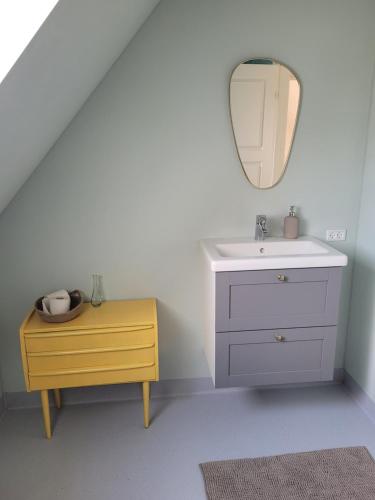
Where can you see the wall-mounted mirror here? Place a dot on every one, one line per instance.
(264, 103)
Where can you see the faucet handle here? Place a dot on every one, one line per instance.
(261, 220)
(260, 227)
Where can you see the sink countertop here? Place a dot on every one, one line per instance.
(247, 254)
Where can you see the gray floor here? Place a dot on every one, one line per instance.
(101, 451)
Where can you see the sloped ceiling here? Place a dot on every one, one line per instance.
(54, 76)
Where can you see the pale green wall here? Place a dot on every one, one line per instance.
(360, 352)
(148, 167)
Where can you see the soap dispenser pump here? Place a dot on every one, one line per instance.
(291, 223)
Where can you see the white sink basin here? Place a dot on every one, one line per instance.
(245, 254)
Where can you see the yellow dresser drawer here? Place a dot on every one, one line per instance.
(89, 339)
(47, 361)
(90, 376)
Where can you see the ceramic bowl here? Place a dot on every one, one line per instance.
(76, 302)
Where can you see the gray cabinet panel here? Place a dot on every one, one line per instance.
(258, 358)
(275, 357)
(282, 299)
(253, 300)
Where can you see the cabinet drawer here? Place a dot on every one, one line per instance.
(279, 356)
(281, 298)
(89, 339)
(57, 360)
(98, 376)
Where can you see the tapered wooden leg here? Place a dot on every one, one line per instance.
(57, 396)
(146, 403)
(46, 414)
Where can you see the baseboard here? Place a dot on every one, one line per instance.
(128, 392)
(172, 388)
(115, 392)
(362, 399)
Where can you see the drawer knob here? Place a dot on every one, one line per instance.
(280, 338)
(281, 277)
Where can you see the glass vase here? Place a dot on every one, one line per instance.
(97, 296)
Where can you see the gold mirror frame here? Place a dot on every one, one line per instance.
(264, 102)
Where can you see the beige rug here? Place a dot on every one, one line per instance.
(338, 474)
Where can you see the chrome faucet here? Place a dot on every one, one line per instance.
(260, 227)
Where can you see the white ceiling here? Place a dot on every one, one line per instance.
(62, 65)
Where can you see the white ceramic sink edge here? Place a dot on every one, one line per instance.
(246, 254)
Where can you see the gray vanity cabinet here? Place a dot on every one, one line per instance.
(275, 326)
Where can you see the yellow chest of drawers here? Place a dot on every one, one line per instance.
(112, 344)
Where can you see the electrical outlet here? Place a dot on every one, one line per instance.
(336, 234)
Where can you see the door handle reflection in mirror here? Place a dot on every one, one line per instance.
(281, 277)
(280, 338)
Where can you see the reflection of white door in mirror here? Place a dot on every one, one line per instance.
(264, 101)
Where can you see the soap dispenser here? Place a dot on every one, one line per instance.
(291, 223)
